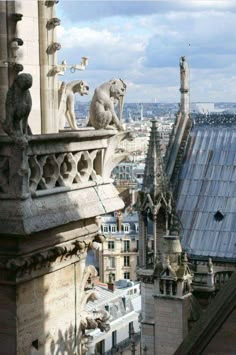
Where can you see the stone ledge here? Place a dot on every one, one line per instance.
(20, 217)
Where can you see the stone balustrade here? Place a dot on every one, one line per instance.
(213, 281)
(58, 178)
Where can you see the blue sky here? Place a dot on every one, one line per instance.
(141, 42)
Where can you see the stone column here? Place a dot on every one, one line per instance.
(142, 240)
(184, 87)
(48, 59)
(3, 56)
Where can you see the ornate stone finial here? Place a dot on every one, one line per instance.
(66, 101)
(210, 266)
(185, 259)
(102, 113)
(18, 107)
(175, 224)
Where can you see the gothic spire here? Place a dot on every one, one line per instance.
(154, 181)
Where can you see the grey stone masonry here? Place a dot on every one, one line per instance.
(57, 179)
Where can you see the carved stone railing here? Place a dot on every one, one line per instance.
(200, 279)
(213, 281)
(221, 277)
(73, 167)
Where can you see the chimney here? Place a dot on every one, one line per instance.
(111, 286)
(119, 220)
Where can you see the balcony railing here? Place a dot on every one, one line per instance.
(67, 174)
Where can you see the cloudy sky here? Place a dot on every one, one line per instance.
(141, 42)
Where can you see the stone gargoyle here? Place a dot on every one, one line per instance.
(66, 101)
(18, 107)
(102, 113)
(97, 319)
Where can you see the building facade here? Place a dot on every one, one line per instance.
(123, 304)
(52, 190)
(119, 253)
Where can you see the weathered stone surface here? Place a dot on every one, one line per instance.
(66, 101)
(102, 113)
(18, 107)
(57, 179)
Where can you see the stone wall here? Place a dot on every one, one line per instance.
(27, 54)
(171, 323)
(148, 317)
(46, 312)
(28, 30)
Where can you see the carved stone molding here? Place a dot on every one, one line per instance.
(114, 155)
(22, 265)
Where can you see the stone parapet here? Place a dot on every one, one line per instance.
(57, 179)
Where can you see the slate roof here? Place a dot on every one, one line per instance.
(206, 202)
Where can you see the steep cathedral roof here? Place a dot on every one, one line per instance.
(206, 202)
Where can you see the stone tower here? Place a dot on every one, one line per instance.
(28, 43)
(164, 272)
(53, 187)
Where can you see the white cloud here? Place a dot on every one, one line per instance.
(143, 46)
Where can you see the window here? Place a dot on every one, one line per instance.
(126, 227)
(136, 227)
(105, 228)
(126, 275)
(111, 245)
(112, 262)
(126, 245)
(137, 245)
(126, 261)
(113, 228)
(100, 347)
(114, 339)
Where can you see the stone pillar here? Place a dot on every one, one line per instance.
(3, 57)
(142, 240)
(184, 87)
(48, 47)
(19, 19)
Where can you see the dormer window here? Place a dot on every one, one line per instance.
(218, 216)
(126, 227)
(113, 228)
(105, 228)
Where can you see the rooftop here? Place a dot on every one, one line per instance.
(207, 192)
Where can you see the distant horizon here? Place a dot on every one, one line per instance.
(168, 103)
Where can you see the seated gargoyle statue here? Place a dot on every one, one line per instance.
(18, 107)
(102, 113)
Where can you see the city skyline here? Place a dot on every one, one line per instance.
(141, 42)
